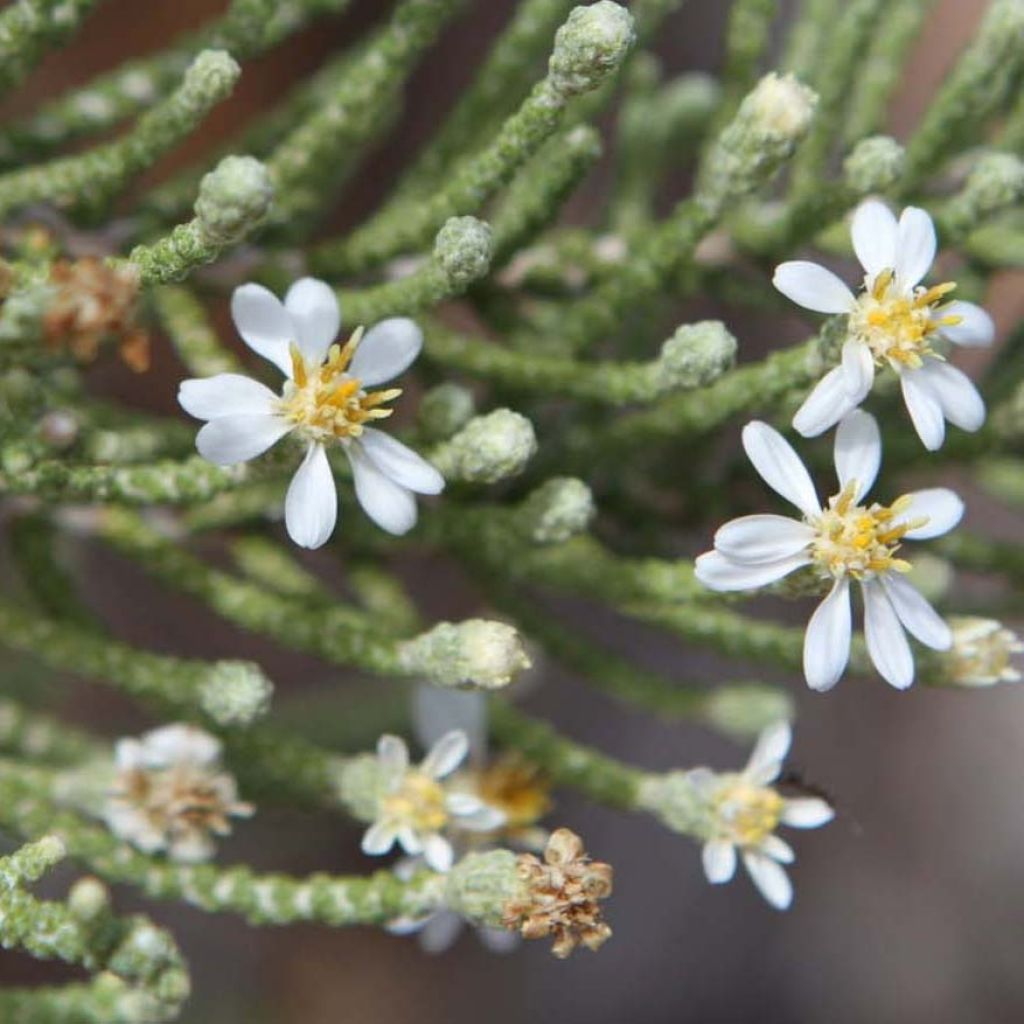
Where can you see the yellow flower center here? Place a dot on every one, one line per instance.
(859, 540)
(326, 401)
(419, 803)
(746, 814)
(517, 788)
(897, 327)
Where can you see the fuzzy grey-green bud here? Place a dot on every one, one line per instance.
(745, 710)
(463, 247)
(89, 899)
(874, 165)
(488, 448)
(446, 408)
(213, 72)
(474, 653)
(996, 182)
(593, 42)
(696, 355)
(234, 197)
(480, 885)
(559, 509)
(235, 693)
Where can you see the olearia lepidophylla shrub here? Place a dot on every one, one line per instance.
(466, 374)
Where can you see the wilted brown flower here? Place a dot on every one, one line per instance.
(560, 896)
(95, 301)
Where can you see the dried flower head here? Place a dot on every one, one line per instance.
(561, 895)
(171, 794)
(93, 301)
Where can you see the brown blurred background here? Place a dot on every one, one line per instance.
(909, 907)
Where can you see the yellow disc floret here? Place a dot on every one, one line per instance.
(860, 540)
(746, 814)
(326, 401)
(418, 803)
(899, 327)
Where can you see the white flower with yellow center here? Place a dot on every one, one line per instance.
(324, 400)
(745, 810)
(415, 808)
(895, 321)
(846, 540)
(983, 651)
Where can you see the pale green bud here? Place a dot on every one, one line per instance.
(874, 165)
(488, 448)
(212, 73)
(463, 248)
(233, 198)
(474, 653)
(696, 355)
(89, 899)
(996, 182)
(590, 45)
(931, 575)
(235, 693)
(446, 408)
(746, 710)
(480, 885)
(559, 509)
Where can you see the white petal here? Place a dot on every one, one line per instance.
(436, 710)
(717, 572)
(311, 504)
(955, 392)
(462, 803)
(409, 841)
(780, 467)
(919, 618)
(226, 394)
(806, 812)
(440, 932)
(769, 752)
(438, 853)
(393, 754)
(386, 350)
(719, 857)
(378, 838)
(925, 410)
(400, 463)
(390, 506)
(778, 849)
(762, 538)
(770, 878)
(975, 330)
(826, 405)
(813, 287)
(943, 507)
(316, 318)
(446, 754)
(873, 233)
(915, 247)
(858, 451)
(486, 819)
(858, 368)
(264, 324)
(827, 640)
(887, 643)
(232, 439)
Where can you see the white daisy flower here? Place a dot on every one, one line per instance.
(745, 811)
(415, 809)
(324, 399)
(171, 793)
(894, 321)
(844, 541)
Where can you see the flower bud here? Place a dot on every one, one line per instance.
(488, 449)
(481, 884)
(590, 45)
(696, 355)
(446, 408)
(996, 182)
(476, 652)
(745, 710)
(235, 693)
(89, 899)
(557, 510)
(233, 198)
(463, 248)
(677, 802)
(874, 165)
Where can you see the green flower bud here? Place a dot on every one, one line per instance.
(235, 693)
(233, 198)
(489, 448)
(590, 45)
(696, 355)
(744, 711)
(874, 165)
(474, 653)
(480, 885)
(446, 408)
(463, 248)
(559, 509)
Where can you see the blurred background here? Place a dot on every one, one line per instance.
(909, 907)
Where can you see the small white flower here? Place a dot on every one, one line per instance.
(893, 321)
(171, 793)
(324, 399)
(745, 811)
(982, 653)
(843, 541)
(415, 809)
